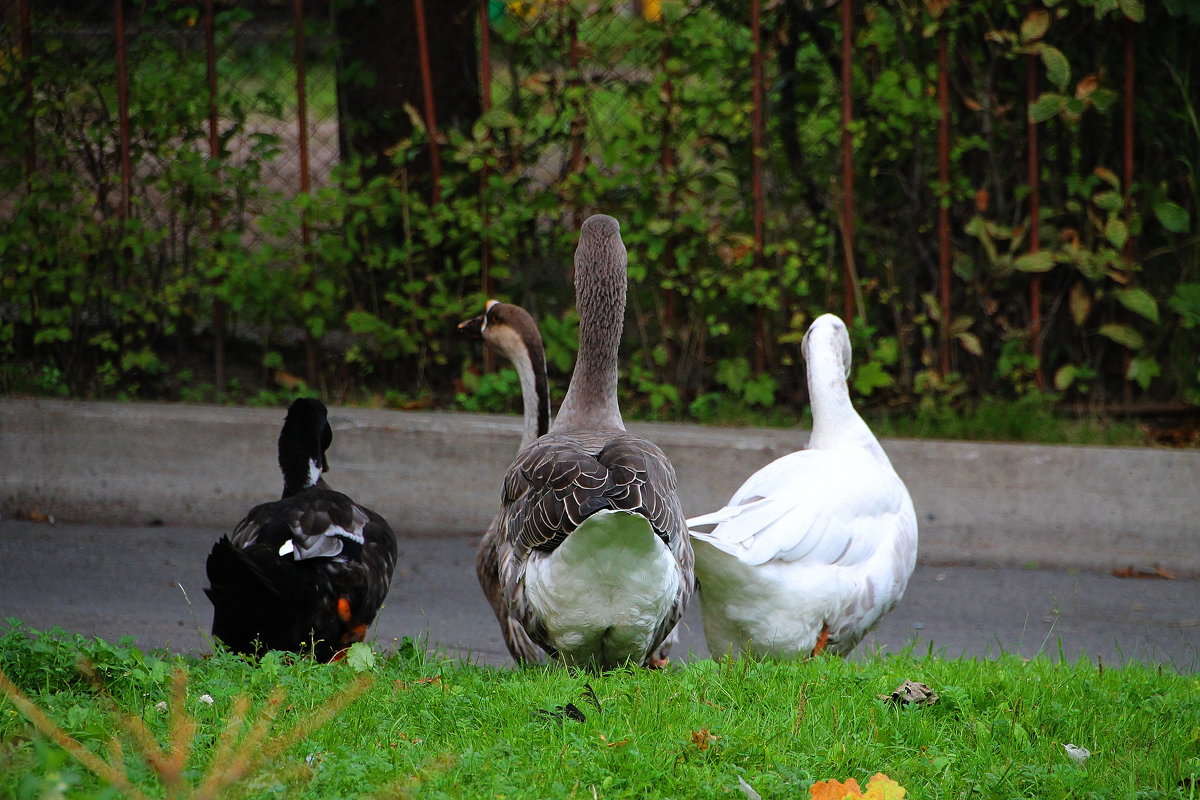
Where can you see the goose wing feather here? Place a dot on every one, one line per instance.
(813, 507)
(562, 479)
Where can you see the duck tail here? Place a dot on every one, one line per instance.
(250, 614)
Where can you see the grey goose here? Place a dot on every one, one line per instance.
(597, 566)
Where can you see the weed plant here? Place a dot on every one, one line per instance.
(425, 726)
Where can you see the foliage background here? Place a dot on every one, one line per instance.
(223, 281)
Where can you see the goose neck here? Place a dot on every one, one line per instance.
(600, 287)
(534, 395)
(835, 421)
(591, 400)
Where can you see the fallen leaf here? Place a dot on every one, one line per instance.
(911, 692)
(1133, 572)
(879, 787)
(703, 738)
(360, 657)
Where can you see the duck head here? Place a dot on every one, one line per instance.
(305, 437)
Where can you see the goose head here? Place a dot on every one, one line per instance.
(510, 331)
(828, 338)
(601, 276)
(827, 353)
(305, 437)
(507, 329)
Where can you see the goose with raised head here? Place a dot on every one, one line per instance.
(599, 566)
(308, 572)
(818, 545)
(510, 331)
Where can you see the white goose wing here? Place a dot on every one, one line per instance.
(815, 507)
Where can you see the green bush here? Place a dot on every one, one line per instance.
(653, 127)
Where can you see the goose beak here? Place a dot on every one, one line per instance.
(472, 326)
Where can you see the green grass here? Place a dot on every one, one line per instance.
(1029, 420)
(1035, 420)
(429, 727)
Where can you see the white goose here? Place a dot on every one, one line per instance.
(510, 331)
(818, 545)
(598, 564)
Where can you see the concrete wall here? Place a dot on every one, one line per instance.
(439, 473)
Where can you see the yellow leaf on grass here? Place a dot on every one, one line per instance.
(879, 787)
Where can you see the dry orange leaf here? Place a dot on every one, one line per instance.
(703, 738)
(879, 787)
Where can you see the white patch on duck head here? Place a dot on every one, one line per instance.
(314, 473)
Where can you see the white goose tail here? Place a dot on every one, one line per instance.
(605, 592)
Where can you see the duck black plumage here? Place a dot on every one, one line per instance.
(308, 572)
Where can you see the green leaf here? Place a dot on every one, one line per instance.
(1041, 261)
(1134, 10)
(1109, 201)
(1139, 301)
(970, 342)
(1123, 335)
(1117, 232)
(1065, 376)
(1186, 303)
(1172, 216)
(871, 376)
(1058, 69)
(1035, 25)
(360, 657)
(1103, 99)
(1046, 106)
(760, 391)
(1080, 303)
(1143, 370)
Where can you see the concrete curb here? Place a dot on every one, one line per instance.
(439, 474)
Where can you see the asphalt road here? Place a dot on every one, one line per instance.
(147, 582)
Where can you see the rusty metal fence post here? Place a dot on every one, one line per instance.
(435, 158)
(485, 215)
(943, 91)
(485, 86)
(847, 211)
(1127, 170)
(756, 182)
(26, 45)
(302, 115)
(123, 111)
(214, 152)
(1035, 222)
